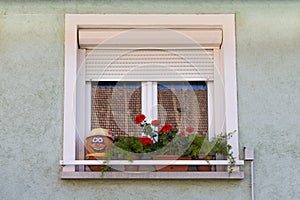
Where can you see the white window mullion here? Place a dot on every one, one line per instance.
(154, 107)
(144, 98)
(149, 100)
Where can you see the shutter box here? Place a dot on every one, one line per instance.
(163, 38)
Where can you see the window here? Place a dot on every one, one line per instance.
(181, 104)
(178, 68)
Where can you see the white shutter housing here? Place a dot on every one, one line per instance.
(154, 37)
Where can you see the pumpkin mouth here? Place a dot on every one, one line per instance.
(98, 149)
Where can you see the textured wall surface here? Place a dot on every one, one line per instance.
(31, 99)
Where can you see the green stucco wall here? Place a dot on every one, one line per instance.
(31, 101)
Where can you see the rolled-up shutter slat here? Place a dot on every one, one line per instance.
(149, 65)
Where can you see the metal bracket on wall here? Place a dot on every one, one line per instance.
(249, 156)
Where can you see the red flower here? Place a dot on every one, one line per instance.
(145, 140)
(139, 118)
(156, 122)
(181, 134)
(166, 127)
(190, 129)
(110, 133)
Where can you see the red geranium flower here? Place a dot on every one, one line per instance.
(166, 127)
(156, 122)
(139, 118)
(146, 141)
(181, 134)
(190, 129)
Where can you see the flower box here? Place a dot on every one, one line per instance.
(171, 168)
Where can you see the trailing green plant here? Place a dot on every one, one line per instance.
(200, 144)
(126, 148)
(130, 144)
(172, 143)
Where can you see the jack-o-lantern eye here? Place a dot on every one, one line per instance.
(97, 139)
(100, 140)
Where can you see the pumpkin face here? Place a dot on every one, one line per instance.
(98, 144)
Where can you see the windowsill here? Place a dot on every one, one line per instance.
(236, 175)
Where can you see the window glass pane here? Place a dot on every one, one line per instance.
(115, 105)
(183, 104)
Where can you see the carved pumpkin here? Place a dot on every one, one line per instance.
(98, 143)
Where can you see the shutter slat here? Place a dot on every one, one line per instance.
(149, 65)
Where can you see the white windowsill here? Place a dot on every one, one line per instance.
(236, 175)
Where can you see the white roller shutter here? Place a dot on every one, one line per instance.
(149, 65)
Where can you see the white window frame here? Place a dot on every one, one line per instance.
(227, 68)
